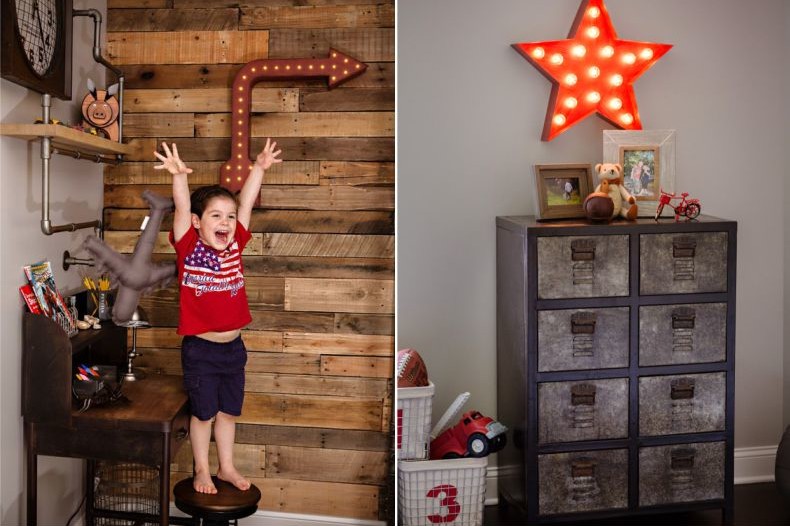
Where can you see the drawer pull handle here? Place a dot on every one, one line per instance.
(182, 433)
(682, 458)
(681, 470)
(583, 250)
(684, 247)
(682, 389)
(583, 394)
(584, 487)
(583, 322)
(683, 318)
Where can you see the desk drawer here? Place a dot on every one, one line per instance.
(582, 267)
(683, 263)
(681, 473)
(583, 410)
(678, 334)
(583, 481)
(688, 403)
(583, 339)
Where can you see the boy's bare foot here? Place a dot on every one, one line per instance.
(234, 477)
(203, 483)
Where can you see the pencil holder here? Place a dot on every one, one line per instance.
(101, 303)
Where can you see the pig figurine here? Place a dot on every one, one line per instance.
(100, 109)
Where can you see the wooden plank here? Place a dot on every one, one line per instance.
(68, 138)
(206, 76)
(342, 344)
(264, 3)
(378, 15)
(277, 362)
(187, 47)
(335, 412)
(249, 459)
(328, 245)
(388, 406)
(347, 99)
(204, 100)
(120, 4)
(364, 44)
(364, 324)
(337, 197)
(302, 148)
(166, 337)
(347, 124)
(356, 174)
(143, 19)
(303, 221)
(292, 321)
(159, 124)
(313, 437)
(356, 501)
(328, 465)
(124, 242)
(205, 173)
(340, 295)
(370, 367)
(159, 361)
(316, 385)
(312, 267)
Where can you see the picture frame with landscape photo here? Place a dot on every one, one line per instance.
(648, 161)
(560, 190)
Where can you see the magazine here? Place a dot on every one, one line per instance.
(49, 299)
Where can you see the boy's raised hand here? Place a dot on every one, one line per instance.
(268, 156)
(172, 162)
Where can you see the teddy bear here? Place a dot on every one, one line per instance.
(611, 177)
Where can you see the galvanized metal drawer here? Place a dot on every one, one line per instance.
(683, 263)
(583, 481)
(678, 334)
(681, 473)
(687, 403)
(582, 267)
(583, 339)
(584, 410)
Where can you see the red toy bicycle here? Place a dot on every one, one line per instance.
(687, 207)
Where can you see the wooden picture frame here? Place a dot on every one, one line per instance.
(648, 161)
(560, 190)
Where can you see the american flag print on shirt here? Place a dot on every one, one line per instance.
(206, 270)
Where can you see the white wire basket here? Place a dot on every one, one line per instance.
(413, 424)
(442, 492)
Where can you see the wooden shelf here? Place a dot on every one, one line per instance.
(67, 138)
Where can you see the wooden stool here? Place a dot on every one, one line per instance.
(228, 504)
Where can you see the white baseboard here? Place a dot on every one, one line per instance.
(274, 518)
(752, 465)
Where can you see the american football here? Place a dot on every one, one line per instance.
(411, 369)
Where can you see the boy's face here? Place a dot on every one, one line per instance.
(218, 224)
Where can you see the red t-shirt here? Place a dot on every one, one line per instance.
(211, 284)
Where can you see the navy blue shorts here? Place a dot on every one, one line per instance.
(213, 376)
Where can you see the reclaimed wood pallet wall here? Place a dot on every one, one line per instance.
(315, 430)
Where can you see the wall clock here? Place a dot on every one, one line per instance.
(36, 45)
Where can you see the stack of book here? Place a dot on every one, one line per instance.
(43, 297)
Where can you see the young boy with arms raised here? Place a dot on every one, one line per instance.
(209, 234)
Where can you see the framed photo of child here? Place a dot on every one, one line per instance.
(648, 161)
(560, 190)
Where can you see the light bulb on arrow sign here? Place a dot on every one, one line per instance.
(336, 68)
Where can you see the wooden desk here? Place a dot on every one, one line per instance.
(147, 430)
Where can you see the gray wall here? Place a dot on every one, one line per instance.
(786, 174)
(470, 115)
(76, 195)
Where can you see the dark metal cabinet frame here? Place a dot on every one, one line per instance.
(518, 379)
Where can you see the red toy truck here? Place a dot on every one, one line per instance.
(475, 435)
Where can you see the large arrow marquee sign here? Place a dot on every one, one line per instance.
(592, 71)
(336, 68)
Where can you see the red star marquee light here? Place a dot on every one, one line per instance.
(337, 68)
(592, 71)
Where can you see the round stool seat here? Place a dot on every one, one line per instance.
(228, 503)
